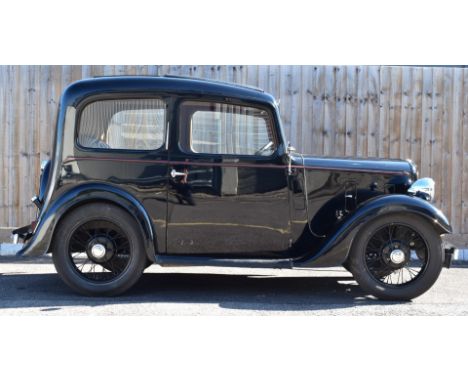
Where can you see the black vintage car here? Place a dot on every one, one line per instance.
(179, 171)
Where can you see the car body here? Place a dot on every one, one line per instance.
(204, 170)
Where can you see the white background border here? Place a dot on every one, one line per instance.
(232, 348)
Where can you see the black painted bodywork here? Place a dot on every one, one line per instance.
(285, 209)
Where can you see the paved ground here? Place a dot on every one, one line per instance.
(32, 287)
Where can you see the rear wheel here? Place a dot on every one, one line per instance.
(98, 250)
(397, 257)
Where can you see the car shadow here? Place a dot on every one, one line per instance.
(241, 292)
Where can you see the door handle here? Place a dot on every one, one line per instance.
(175, 173)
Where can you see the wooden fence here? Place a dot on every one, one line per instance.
(366, 111)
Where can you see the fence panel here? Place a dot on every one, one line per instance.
(367, 111)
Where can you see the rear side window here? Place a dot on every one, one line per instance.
(125, 124)
(218, 128)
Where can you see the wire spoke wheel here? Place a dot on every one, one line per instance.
(99, 251)
(396, 255)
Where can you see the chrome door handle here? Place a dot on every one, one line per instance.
(175, 173)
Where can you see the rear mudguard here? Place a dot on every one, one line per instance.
(41, 240)
(336, 247)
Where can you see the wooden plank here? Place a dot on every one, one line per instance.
(33, 142)
(195, 72)
(395, 111)
(384, 106)
(426, 120)
(97, 70)
(33, 124)
(75, 73)
(274, 82)
(307, 109)
(446, 142)
(206, 71)
(351, 110)
(8, 143)
(46, 125)
(220, 73)
(340, 111)
(210, 71)
(362, 111)
(110, 70)
(229, 74)
(152, 70)
(437, 133)
(251, 75)
(23, 160)
(142, 70)
(296, 106)
(285, 97)
(242, 74)
(406, 112)
(415, 120)
(12, 149)
(236, 74)
(464, 185)
(86, 71)
(3, 145)
(329, 111)
(11, 182)
(20, 152)
(50, 117)
(187, 70)
(373, 110)
(263, 74)
(317, 110)
(203, 71)
(456, 157)
(163, 70)
(119, 70)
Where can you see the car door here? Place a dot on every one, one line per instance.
(123, 141)
(228, 193)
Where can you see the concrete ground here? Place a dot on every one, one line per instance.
(31, 287)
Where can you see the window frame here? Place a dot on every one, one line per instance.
(121, 97)
(271, 125)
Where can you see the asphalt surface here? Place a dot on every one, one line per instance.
(31, 287)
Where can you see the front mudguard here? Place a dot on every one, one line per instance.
(41, 239)
(336, 247)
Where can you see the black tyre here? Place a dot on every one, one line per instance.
(396, 257)
(98, 251)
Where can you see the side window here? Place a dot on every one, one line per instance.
(128, 124)
(217, 128)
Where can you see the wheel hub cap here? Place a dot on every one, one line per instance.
(397, 256)
(98, 251)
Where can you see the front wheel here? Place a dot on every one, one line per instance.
(396, 257)
(98, 250)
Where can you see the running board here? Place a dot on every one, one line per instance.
(192, 261)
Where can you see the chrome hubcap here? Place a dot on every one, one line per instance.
(98, 251)
(397, 256)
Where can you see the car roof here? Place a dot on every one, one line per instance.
(82, 89)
